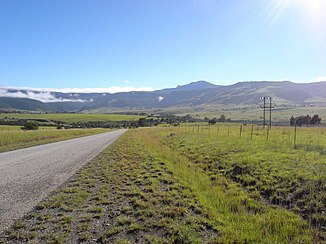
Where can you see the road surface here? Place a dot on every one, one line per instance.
(28, 175)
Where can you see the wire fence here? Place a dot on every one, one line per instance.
(309, 138)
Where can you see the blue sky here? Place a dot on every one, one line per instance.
(158, 44)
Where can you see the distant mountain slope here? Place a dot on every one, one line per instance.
(23, 104)
(193, 94)
(193, 86)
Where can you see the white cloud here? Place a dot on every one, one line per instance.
(320, 78)
(45, 97)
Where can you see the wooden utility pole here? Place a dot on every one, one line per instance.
(264, 110)
(264, 107)
(295, 137)
(270, 112)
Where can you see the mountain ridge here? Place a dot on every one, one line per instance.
(193, 94)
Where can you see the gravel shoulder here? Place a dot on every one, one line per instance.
(29, 175)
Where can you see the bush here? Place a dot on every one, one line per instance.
(30, 126)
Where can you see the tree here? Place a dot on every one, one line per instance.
(30, 125)
(222, 118)
(305, 120)
(292, 121)
(315, 120)
(212, 121)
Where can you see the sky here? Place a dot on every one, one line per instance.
(125, 45)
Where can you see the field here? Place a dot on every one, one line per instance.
(192, 184)
(12, 137)
(253, 112)
(71, 118)
(4, 128)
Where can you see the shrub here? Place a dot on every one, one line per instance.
(30, 126)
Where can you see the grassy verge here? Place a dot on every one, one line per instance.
(16, 139)
(141, 190)
(125, 195)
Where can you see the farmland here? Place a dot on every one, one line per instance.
(250, 112)
(12, 137)
(73, 118)
(192, 184)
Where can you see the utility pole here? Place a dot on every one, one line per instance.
(264, 107)
(270, 112)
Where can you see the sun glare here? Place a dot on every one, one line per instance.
(315, 7)
(312, 12)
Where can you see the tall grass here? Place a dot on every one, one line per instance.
(237, 216)
(264, 162)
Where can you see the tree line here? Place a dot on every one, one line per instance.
(305, 120)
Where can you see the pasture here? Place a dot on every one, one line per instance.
(279, 114)
(74, 118)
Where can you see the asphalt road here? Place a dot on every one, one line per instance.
(28, 175)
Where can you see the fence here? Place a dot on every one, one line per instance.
(299, 137)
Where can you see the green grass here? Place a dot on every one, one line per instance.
(251, 112)
(15, 138)
(18, 128)
(273, 170)
(123, 196)
(70, 118)
(173, 185)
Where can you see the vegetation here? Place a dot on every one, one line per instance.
(13, 127)
(305, 120)
(263, 162)
(72, 118)
(93, 120)
(124, 196)
(189, 185)
(30, 125)
(12, 138)
(249, 113)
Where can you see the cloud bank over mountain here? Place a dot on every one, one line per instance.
(45, 94)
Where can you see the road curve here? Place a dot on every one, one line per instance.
(28, 175)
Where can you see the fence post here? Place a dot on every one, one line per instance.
(240, 131)
(252, 130)
(218, 127)
(295, 137)
(267, 134)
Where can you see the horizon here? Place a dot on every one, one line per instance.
(45, 95)
(115, 89)
(160, 44)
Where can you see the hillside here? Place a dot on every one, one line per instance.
(23, 104)
(201, 93)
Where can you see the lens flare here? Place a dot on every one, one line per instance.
(312, 12)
